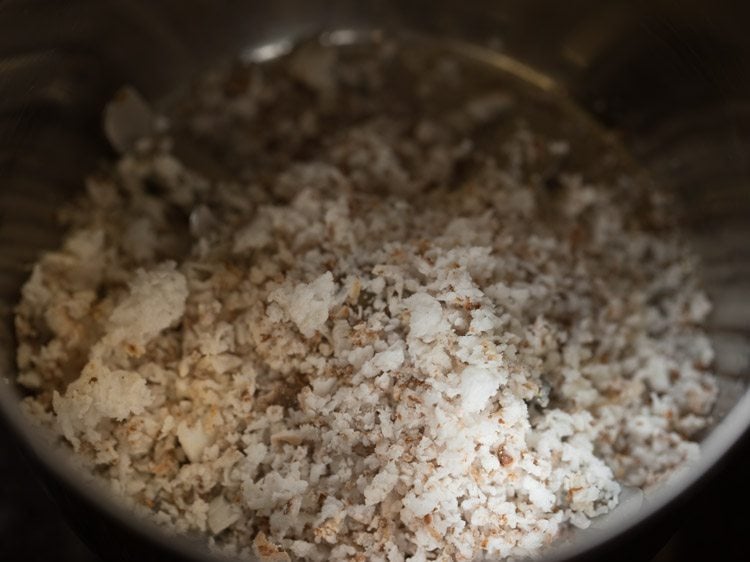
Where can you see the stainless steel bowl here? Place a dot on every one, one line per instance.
(671, 78)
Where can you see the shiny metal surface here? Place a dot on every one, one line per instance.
(671, 78)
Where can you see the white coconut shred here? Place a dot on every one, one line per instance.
(366, 337)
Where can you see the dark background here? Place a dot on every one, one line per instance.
(714, 524)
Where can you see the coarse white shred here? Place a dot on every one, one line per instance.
(357, 356)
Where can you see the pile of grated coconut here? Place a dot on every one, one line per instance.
(327, 329)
